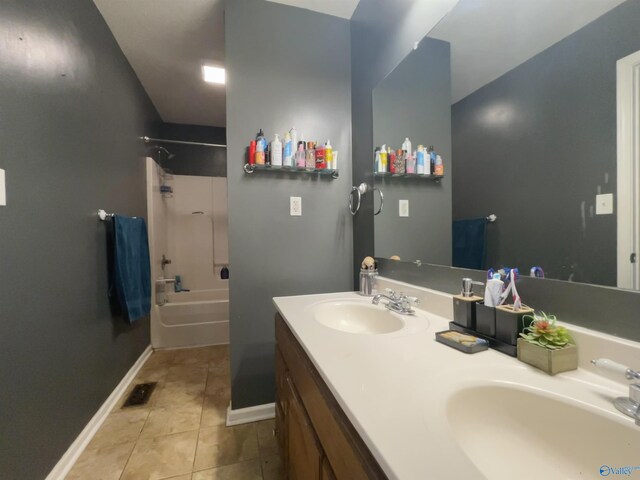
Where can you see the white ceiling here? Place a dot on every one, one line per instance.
(490, 37)
(166, 43)
(337, 8)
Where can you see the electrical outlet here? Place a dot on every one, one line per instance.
(604, 204)
(295, 206)
(403, 208)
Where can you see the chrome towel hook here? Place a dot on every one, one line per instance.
(360, 190)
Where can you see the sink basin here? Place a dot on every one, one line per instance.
(356, 317)
(504, 430)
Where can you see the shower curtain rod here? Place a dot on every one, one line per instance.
(147, 140)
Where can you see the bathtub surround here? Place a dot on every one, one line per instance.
(271, 252)
(71, 117)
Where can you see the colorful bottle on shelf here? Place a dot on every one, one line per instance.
(438, 169)
(276, 152)
(400, 162)
(260, 153)
(300, 156)
(252, 152)
(420, 163)
(391, 157)
(287, 156)
(310, 156)
(328, 155)
(321, 161)
(260, 138)
(383, 159)
(432, 160)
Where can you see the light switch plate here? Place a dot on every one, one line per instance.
(604, 204)
(403, 208)
(295, 206)
(3, 189)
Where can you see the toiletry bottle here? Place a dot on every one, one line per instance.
(300, 156)
(321, 161)
(252, 152)
(383, 159)
(411, 163)
(399, 168)
(260, 138)
(432, 160)
(276, 152)
(328, 155)
(335, 159)
(259, 153)
(294, 138)
(287, 157)
(311, 156)
(376, 160)
(406, 146)
(438, 169)
(391, 157)
(420, 160)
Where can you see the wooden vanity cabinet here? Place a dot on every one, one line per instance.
(316, 439)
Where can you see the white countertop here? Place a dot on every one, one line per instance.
(394, 387)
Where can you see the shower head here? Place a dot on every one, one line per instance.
(159, 149)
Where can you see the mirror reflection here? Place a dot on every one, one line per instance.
(530, 107)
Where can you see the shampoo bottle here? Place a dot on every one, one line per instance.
(259, 153)
(300, 156)
(328, 155)
(287, 160)
(276, 152)
(261, 139)
(383, 159)
(432, 160)
(420, 160)
(294, 137)
(311, 156)
(438, 169)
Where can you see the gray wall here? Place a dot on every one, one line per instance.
(382, 34)
(414, 101)
(196, 160)
(72, 110)
(286, 67)
(555, 152)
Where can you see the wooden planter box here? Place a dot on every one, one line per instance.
(550, 361)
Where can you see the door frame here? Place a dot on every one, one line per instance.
(628, 170)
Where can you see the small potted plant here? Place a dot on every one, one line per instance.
(546, 345)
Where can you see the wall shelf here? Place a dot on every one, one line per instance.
(435, 178)
(294, 170)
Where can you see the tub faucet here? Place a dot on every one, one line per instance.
(396, 302)
(630, 405)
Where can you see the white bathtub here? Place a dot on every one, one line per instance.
(194, 318)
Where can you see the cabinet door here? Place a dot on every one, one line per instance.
(326, 471)
(304, 453)
(281, 406)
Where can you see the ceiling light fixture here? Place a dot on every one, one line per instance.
(214, 74)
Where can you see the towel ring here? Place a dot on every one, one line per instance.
(360, 190)
(381, 200)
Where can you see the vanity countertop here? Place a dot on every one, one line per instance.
(396, 389)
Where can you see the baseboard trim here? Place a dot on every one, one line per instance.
(250, 414)
(80, 443)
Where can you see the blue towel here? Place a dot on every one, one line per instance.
(469, 243)
(131, 269)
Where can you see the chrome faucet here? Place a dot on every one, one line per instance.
(396, 302)
(630, 405)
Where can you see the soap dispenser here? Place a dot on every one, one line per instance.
(464, 305)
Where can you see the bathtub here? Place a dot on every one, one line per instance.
(187, 319)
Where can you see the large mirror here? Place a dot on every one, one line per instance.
(533, 109)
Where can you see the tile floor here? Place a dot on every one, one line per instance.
(180, 433)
